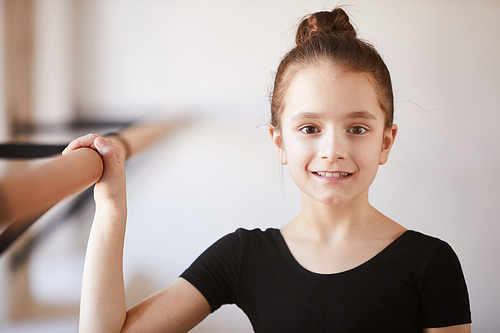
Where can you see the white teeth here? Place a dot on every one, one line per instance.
(333, 174)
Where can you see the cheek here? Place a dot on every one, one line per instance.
(298, 152)
(298, 166)
(370, 153)
(369, 158)
(299, 155)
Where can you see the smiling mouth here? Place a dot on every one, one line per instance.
(333, 174)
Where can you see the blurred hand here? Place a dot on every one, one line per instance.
(110, 189)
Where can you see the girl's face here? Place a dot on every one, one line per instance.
(332, 135)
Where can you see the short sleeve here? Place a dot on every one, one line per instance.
(442, 289)
(215, 272)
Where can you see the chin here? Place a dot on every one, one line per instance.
(337, 200)
(333, 201)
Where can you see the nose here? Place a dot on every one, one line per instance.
(332, 146)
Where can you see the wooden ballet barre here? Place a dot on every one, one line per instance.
(29, 194)
(138, 138)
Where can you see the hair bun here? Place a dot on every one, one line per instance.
(335, 21)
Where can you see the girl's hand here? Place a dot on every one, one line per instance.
(111, 186)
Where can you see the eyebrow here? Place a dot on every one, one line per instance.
(350, 115)
(361, 114)
(306, 115)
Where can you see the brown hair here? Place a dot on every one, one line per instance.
(330, 37)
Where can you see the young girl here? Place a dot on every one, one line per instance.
(340, 265)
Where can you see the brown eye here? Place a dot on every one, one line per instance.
(309, 130)
(357, 130)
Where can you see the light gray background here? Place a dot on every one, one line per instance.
(214, 61)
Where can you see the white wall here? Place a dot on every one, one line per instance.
(3, 103)
(53, 67)
(210, 177)
(217, 59)
(213, 58)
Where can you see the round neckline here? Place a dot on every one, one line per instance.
(289, 256)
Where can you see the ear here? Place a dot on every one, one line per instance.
(387, 142)
(277, 138)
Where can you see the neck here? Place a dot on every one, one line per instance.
(325, 222)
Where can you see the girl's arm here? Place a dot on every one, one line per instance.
(177, 308)
(449, 329)
(102, 305)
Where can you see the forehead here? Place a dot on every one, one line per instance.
(326, 90)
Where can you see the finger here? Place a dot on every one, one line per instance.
(83, 141)
(109, 151)
(102, 146)
(113, 157)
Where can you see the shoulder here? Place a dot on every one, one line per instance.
(243, 235)
(235, 243)
(257, 232)
(439, 259)
(422, 255)
(417, 242)
(441, 288)
(437, 250)
(421, 238)
(437, 277)
(425, 253)
(216, 272)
